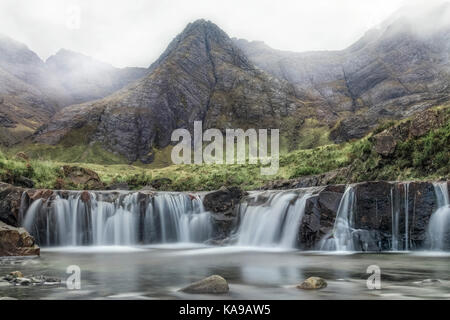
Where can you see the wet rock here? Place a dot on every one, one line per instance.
(319, 216)
(223, 204)
(82, 177)
(223, 200)
(85, 197)
(44, 194)
(16, 242)
(429, 282)
(313, 283)
(22, 281)
(213, 285)
(44, 280)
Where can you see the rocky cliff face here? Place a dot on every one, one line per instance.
(201, 76)
(391, 72)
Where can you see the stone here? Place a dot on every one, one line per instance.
(385, 144)
(222, 205)
(22, 181)
(313, 283)
(22, 156)
(10, 199)
(22, 281)
(82, 177)
(211, 285)
(16, 242)
(16, 274)
(429, 282)
(7, 298)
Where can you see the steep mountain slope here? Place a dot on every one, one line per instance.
(24, 105)
(391, 72)
(201, 76)
(32, 91)
(85, 78)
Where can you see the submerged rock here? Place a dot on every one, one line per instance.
(429, 282)
(214, 284)
(313, 283)
(22, 281)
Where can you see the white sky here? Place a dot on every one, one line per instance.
(135, 32)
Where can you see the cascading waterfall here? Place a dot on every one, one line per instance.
(406, 205)
(395, 222)
(275, 222)
(165, 217)
(439, 226)
(341, 238)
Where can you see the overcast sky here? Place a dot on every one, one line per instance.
(135, 32)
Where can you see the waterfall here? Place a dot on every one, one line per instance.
(341, 238)
(439, 225)
(271, 219)
(72, 221)
(395, 222)
(406, 205)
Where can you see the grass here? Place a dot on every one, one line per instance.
(426, 157)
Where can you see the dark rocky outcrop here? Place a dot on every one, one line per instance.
(319, 217)
(420, 124)
(224, 207)
(376, 203)
(10, 200)
(16, 242)
(82, 177)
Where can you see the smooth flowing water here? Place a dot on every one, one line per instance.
(341, 238)
(159, 271)
(271, 219)
(439, 226)
(166, 217)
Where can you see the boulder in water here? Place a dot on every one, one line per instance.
(22, 281)
(214, 284)
(313, 283)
